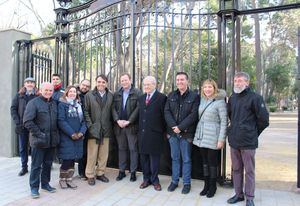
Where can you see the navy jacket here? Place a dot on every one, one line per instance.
(68, 124)
(152, 126)
(248, 118)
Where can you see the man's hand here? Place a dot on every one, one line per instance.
(19, 129)
(220, 145)
(126, 123)
(121, 123)
(176, 130)
(79, 135)
(74, 136)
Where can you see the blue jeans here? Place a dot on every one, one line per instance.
(41, 162)
(23, 148)
(181, 146)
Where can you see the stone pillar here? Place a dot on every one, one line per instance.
(8, 79)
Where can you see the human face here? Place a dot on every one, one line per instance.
(240, 84)
(85, 86)
(125, 82)
(72, 93)
(101, 84)
(182, 82)
(149, 86)
(56, 80)
(29, 85)
(47, 90)
(208, 90)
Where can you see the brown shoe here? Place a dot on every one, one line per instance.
(102, 178)
(91, 181)
(157, 186)
(144, 185)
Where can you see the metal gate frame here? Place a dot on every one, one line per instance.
(225, 16)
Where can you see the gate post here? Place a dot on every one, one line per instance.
(61, 64)
(9, 51)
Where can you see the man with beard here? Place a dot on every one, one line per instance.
(248, 118)
(84, 88)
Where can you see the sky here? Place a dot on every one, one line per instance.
(13, 14)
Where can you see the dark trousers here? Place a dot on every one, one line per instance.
(82, 162)
(150, 166)
(23, 147)
(209, 157)
(67, 164)
(41, 162)
(240, 160)
(127, 140)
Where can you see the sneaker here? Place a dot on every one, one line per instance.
(35, 193)
(172, 187)
(186, 189)
(48, 188)
(23, 172)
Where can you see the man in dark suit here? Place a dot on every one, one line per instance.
(151, 132)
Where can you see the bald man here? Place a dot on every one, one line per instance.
(152, 127)
(40, 118)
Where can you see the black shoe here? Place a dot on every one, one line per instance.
(235, 199)
(172, 187)
(23, 171)
(186, 189)
(91, 181)
(121, 176)
(132, 177)
(249, 203)
(102, 178)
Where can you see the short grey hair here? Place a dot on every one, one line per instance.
(45, 83)
(243, 74)
(150, 78)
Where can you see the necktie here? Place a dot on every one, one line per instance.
(148, 99)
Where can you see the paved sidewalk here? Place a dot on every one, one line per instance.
(15, 191)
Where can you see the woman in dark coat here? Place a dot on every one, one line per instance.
(72, 129)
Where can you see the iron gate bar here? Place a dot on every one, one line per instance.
(199, 47)
(298, 78)
(190, 48)
(148, 42)
(173, 61)
(156, 43)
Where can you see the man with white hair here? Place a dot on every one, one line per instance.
(40, 118)
(152, 127)
(248, 118)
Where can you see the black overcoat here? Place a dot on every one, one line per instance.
(152, 126)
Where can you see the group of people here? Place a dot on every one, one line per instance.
(80, 124)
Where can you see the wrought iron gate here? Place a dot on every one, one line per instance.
(143, 38)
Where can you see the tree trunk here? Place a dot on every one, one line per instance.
(257, 51)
